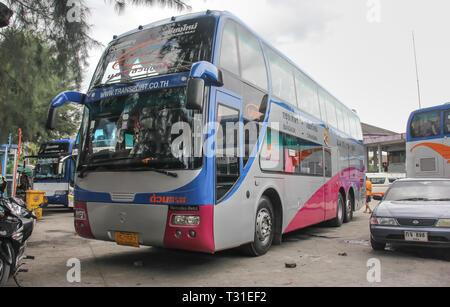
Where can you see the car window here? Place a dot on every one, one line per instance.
(427, 190)
(377, 180)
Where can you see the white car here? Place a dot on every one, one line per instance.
(382, 181)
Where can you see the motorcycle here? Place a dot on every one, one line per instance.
(16, 226)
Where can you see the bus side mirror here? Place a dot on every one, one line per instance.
(61, 163)
(195, 94)
(51, 118)
(202, 74)
(59, 101)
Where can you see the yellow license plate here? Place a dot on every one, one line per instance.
(127, 239)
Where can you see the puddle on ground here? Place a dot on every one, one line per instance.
(358, 242)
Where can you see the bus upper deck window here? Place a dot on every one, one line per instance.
(426, 125)
(447, 122)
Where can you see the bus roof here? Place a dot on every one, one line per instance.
(227, 14)
(444, 106)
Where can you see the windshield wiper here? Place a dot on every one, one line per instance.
(439, 199)
(137, 162)
(413, 199)
(97, 86)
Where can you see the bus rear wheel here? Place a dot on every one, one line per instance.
(264, 229)
(348, 216)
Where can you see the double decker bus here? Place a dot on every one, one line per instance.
(199, 135)
(54, 173)
(428, 143)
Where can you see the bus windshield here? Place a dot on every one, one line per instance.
(166, 49)
(135, 131)
(47, 169)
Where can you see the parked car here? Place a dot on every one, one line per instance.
(413, 212)
(382, 181)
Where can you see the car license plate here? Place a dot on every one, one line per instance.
(416, 236)
(127, 239)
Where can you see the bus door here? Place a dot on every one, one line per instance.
(329, 188)
(228, 149)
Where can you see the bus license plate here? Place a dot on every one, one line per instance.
(127, 239)
(416, 236)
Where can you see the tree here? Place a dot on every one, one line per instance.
(44, 51)
(120, 5)
(30, 80)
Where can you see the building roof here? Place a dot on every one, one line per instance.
(375, 131)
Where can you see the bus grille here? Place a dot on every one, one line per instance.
(122, 197)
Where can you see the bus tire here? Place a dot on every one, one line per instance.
(264, 229)
(340, 212)
(348, 216)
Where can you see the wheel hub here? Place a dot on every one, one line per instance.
(263, 225)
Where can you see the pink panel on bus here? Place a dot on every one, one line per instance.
(322, 205)
(203, 241)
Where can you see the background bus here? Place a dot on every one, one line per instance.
(279, 152)
(54, 173)
(428, 142)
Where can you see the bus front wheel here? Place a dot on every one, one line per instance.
(264, 229)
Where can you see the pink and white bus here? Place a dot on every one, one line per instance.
(200, 135)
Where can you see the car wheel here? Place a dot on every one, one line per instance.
(264, 229)
(377, 246)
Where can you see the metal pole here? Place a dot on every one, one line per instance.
(417, 70)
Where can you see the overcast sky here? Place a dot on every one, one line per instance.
(360, 50)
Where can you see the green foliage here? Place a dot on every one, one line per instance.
(42, 53)
(30, 80)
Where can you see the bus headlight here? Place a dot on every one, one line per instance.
(60, 192)
(186, 220)
(443, 223)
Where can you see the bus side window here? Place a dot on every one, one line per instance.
(253, 66)
(283, 85)
(229, 51)
(447, 122)
(426, 125)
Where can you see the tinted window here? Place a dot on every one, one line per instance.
(377, 180)
(271, 158)
(340, 117)
(419, 190)
(307, 99)
(283, 85)
(302, 157)
(426, 124)
(323, 107)
(227, 150)
(331, 112)
(166, 49)
(253, 66)
(229, 54)
(447, 122)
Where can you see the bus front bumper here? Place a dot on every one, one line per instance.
(151, 223)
